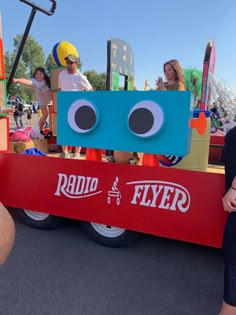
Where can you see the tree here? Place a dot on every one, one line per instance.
(193, 81)
(97, 80)
(21, 71)
(31, 58)
(32, 55)
(49, 64)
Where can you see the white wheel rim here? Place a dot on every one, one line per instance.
(37, 216)
(107, 230)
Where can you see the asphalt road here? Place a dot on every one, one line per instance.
(63, 272)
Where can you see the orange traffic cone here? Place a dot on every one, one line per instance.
(93, 155)
(150, 160)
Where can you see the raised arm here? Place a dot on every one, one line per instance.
(22, 81)
(6, 110)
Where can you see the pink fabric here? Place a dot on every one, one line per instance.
(21, 135)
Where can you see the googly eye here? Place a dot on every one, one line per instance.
(83, 116)
(145, 119)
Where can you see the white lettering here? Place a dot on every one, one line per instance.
(94, 184)
(80, 185)
(155, 194)
(179, 202)
(73, 186)
(160, 194)
(70, 189)
(61, 184)
(137, 193)
(145, 202)
(87, 185)
(166, 197)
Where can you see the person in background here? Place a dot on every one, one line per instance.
(34, 109)
(18, 114)
(29, 115)
(229, 240)
(72, 79)
(42, 87)
(174, 77)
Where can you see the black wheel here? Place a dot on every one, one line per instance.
(109, 235)
(39, 220)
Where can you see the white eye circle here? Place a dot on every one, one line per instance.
(145, 119)
(83, 116)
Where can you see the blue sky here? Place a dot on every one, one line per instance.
(156, 30)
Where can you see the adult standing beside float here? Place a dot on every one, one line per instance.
(229, 241)
(7, 226)
(72, 79)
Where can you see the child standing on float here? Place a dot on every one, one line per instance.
(42, 87)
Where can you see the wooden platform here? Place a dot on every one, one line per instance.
(212, 168)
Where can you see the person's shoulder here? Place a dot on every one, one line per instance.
(63, 72)
(180, 86)
(231, 133)
(230, 138)
(80, 75)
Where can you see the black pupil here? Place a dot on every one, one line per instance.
(85, 117)
(141, 121)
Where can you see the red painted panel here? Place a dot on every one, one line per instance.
(216, 149)
(177, 204)
(2, 64)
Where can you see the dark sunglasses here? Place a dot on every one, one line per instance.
(69, 62)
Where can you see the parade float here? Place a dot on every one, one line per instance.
(117, 202)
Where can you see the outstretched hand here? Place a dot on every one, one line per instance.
(8, 111)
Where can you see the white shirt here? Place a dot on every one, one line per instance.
(73, 82)
(42, 91)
